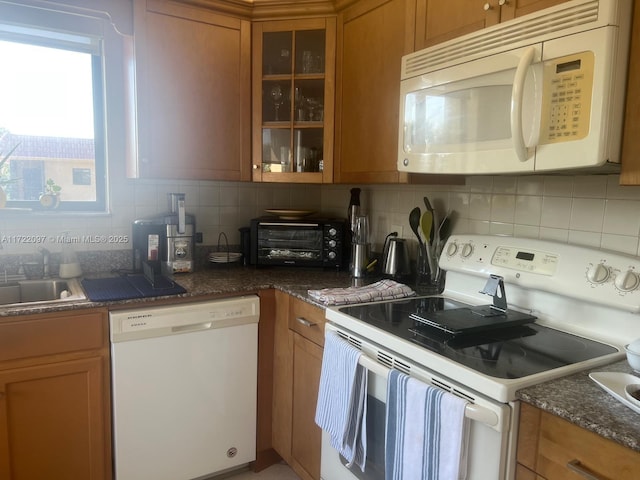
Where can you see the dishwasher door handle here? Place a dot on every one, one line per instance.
(191, 328)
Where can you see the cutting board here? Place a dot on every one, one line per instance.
(129, 287)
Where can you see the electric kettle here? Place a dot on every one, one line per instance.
(395, 257)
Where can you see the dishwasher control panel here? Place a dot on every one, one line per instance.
(140, 323)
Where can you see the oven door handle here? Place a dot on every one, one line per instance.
(472, 411)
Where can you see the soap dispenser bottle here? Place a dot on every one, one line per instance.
(69, 264)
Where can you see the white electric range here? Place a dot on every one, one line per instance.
(568, 308)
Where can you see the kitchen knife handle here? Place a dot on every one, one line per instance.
(305, 322)
(576, 467)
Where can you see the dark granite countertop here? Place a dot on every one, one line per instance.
(212, 282)
(581, 401)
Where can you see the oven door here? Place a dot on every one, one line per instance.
(490, 437)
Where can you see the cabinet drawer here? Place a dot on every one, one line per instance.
(308, 320)
(563, 447)
(38, 335)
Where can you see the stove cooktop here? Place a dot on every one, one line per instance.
(507, 352)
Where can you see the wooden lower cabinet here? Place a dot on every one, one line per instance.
(306, 436)
(54, 397)
(551, 448)
(297, 361)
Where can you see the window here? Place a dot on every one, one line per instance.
(52, 97)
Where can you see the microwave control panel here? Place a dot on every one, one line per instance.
(566, 105)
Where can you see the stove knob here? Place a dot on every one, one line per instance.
(452, 249)
(598, 273)
(467, 250)
(627, 281)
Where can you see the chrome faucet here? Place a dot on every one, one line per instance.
(45, 261)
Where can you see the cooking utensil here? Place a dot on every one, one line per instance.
(414, 223)
(435, 222)
(426, 226)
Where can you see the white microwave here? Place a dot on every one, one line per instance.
(540, 93)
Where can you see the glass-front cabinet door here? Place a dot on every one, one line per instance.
(293, 100)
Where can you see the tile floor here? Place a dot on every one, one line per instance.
(279, 471)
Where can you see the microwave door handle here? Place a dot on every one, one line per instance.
(516, 104)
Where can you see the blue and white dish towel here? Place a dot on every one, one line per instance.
(342, 405)
(427, 432)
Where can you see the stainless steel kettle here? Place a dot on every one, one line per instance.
(395, 257)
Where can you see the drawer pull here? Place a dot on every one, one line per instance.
(575, 466)
(305, 322)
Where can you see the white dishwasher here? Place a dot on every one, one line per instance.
(184, 388)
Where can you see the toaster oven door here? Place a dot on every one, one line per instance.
(299, 244)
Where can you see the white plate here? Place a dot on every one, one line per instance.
(224, 257)
(290, 214)
(614, 383)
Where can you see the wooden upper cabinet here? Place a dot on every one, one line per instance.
(193, 75)
(373, 35)
(630, 173)
(293, 100)
(438, 21)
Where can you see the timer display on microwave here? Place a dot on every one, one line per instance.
(567, 98)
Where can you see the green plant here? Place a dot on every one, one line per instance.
(51, 187)
(4, 160)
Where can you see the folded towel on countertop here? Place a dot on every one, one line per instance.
(342, 405)
(382, 290)
(427, 431)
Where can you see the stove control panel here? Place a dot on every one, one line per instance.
(527, 260)
(590, 274)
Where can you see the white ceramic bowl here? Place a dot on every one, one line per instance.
(633, 357)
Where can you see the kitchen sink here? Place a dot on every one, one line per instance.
(38, 291)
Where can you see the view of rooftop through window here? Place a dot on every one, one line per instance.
(47, 113)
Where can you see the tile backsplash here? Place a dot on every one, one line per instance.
(588, 210)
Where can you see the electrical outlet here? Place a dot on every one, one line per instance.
(397, 228)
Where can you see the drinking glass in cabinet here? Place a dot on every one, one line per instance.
(310, 51)
(276, 96)
(307, 156)
(276, 150)
(276, 102)
(276, 53)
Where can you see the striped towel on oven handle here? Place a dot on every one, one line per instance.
(342, 408)
(427, 431)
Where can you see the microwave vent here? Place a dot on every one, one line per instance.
(537, 27)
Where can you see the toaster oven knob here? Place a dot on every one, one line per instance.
(332, 232)
(332, 243)
(332, 255)
(598, 273)
(627, 281)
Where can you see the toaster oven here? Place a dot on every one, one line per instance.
(305, 242)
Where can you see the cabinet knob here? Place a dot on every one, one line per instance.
(256, 167)
(487, 7)
(502, 2)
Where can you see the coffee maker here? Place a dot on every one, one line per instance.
(166, 241)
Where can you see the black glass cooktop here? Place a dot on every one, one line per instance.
(509, 352)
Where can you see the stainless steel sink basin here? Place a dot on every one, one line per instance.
(38, 291)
